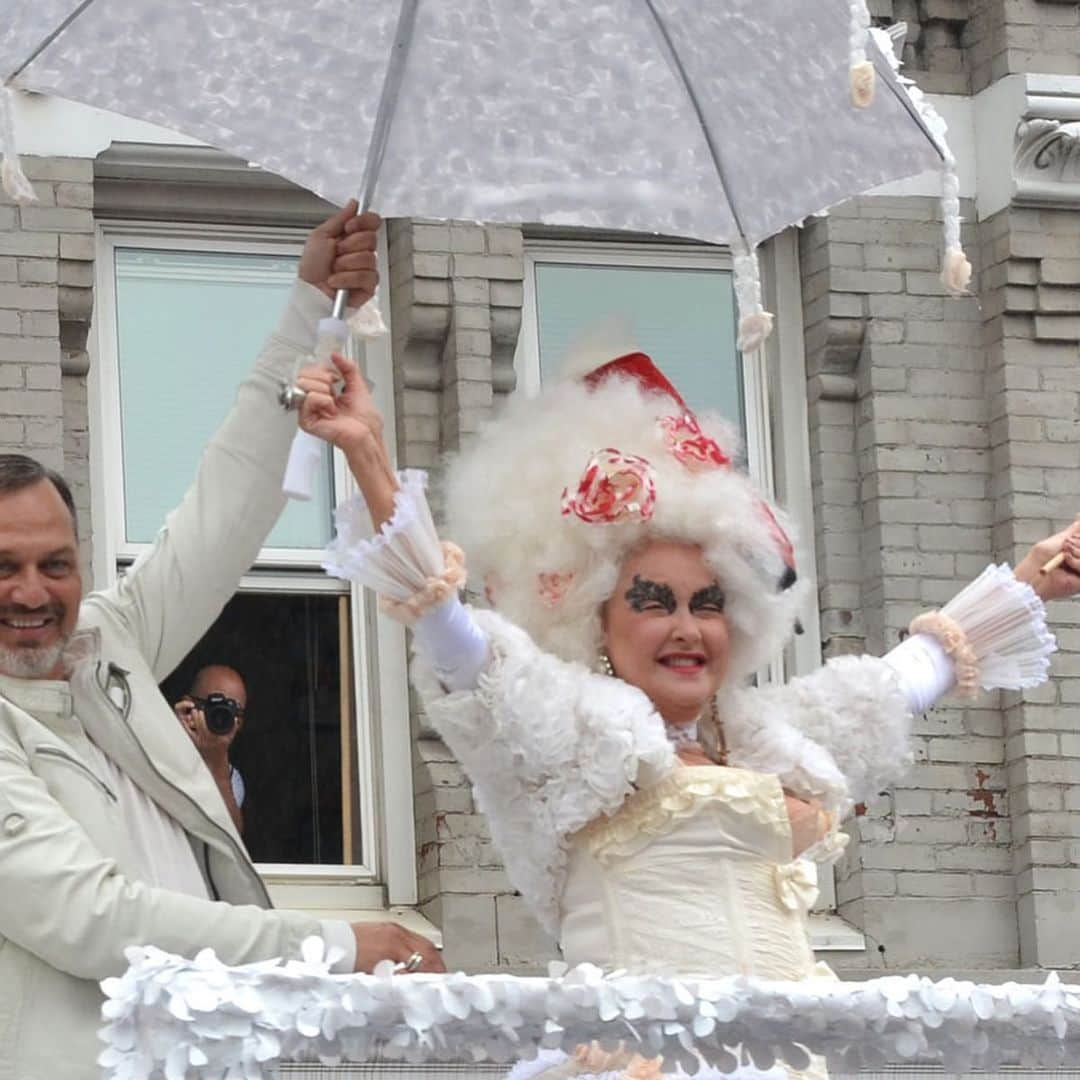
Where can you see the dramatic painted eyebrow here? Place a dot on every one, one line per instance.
(711, 596)
(644, 592)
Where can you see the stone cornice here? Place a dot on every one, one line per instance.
(196, 183)
(1046, 150)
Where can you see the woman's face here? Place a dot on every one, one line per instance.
(665, 630)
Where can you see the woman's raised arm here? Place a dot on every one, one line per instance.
(416, 576)
(348, 418)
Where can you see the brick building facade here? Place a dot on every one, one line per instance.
(942, 434)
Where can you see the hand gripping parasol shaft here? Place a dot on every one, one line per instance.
(307, 451)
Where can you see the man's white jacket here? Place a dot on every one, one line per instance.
(67, 905)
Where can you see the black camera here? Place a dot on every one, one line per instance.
(221, 712)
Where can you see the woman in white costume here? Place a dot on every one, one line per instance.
(654, 811)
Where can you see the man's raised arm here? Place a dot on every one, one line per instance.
(173, 593)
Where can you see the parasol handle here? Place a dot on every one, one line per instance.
(307, 451)
(332, 336)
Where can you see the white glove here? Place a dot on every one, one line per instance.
(448, 638)
(924, 670)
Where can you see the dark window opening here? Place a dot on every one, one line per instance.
(296, 751)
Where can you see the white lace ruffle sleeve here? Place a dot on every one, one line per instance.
(549, 746)
(416, 577)
(402, 558)
(840, 734)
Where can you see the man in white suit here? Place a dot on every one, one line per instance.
(112, 831)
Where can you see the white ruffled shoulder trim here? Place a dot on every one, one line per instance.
(840, 734)
(843, 733)
(549, 746)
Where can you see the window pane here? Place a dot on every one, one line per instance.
(189, 325)
(300, 805)
(683, 318)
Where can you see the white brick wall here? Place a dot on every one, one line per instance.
(46, 258)
(904, 494)
(1034, 398)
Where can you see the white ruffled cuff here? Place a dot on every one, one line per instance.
(405, 563)
(994, 631)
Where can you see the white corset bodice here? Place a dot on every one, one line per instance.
(692, 875)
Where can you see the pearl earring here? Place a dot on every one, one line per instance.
(603, 664)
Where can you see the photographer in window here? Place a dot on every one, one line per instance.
(213, 714)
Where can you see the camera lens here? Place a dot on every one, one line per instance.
(220, 714)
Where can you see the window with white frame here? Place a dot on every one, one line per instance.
(676, 302)
(181, 313)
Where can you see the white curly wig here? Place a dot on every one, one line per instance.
(550, 572)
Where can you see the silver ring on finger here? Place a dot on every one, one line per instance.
(290, 396)
(412, 964)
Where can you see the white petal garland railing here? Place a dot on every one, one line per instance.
(174, 1018)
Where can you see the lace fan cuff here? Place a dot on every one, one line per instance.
(405, 562)
(949, 634)
(436, 589)
(995, 633)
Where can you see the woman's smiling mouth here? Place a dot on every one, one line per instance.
(684, 663)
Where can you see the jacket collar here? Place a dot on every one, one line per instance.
(51, 699)
(43, 698)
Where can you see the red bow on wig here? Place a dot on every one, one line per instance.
(687, 441)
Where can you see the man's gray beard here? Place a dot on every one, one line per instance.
(37, 663)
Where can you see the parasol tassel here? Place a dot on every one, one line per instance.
(862, 69)
(367, 321)
(754, 330)
(14, 182)
(956, 272)
(955, 269)
(755, 323)
(995, 631)
(12, 178)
